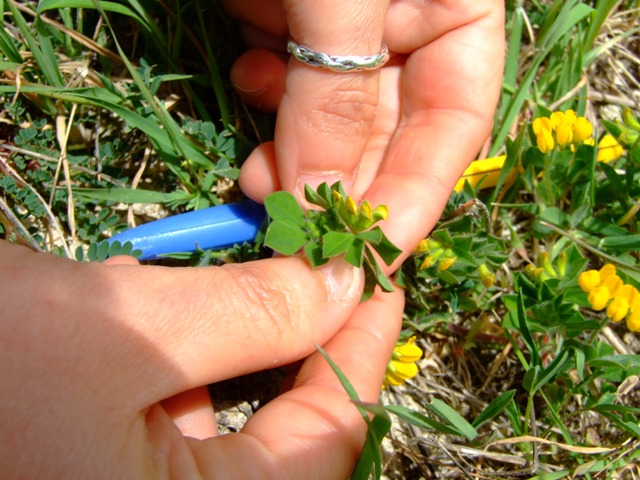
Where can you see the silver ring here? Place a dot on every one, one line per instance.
(338, 63)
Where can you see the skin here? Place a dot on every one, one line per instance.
(103, 366)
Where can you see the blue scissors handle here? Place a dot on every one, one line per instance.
(210, 228)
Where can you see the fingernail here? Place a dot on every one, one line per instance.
(344, 281)
(251, 92)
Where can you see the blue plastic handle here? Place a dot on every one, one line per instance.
(210, 228)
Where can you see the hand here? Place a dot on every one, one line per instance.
(401, 136)
(99, 363)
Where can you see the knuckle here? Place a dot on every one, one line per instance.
(270, 309)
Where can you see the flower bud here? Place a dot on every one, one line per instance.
(629, 137)
(352, 208)
(364, 219)
(381, 212)
(486, 276)
(545, 262)
(446, 263)
(422, 247)
(427, 263)
(561, 264)
(630, 119)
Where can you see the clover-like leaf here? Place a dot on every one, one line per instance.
(285, 238)
(355, 253)
(335, 243)
(385, 248)
(283, 207)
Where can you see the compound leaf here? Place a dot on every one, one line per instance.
(285, 238)
(335, 243)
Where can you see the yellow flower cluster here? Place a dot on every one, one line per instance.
(562, 129)
(359, 218)
(403, 363)
(607, 291)
(443, 257)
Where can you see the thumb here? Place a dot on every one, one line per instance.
(325, 117)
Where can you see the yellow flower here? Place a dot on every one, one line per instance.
(634, 303)
(633, 321)
(545, 141)
(422, 247)
(582, 130)
(599, 297)
(486, 170)
(402, 365)
(486, 276)
(570, 117)
(564, 134)
(381, 212)
(446, 263)
(609, 149)
(408, 352)
(557, 118)
(427, 263)
(606, 270)
(612, 282)
(398, 372)
(402, 369)
(540, 124)
(352, 208)
(618, 309)
(589, 280)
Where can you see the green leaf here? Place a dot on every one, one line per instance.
(494, 408)
(285, 238)
(387, 250)
(381, 278)
(355, 254)
(315, 198)
(376, 428)
(313, 251)
(525, 332)
(531, 378)
(552, 369)
(370, 461)
(335, 243)
(419, 420)
(447, 413)
(283, 207)
(622, 242)
(45, 5)
(325, 193)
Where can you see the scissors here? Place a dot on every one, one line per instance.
(211, 228)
